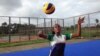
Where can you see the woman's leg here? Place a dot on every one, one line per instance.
(58, 50)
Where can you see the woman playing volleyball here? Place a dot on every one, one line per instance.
(58, 39)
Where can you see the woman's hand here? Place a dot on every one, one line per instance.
(41, 34)
(81, 20)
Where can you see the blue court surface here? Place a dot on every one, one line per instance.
(88, 48)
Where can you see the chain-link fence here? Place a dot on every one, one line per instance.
(13, 29)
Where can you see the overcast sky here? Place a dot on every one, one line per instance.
(33, 8)
(64, 8)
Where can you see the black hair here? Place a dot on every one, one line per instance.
(53, 29)
(53, 32)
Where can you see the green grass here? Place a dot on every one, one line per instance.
(85, 33)
(22, 43)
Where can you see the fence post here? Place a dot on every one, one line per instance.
(51, 23)
(44, 25)
(74, 24)
(63, 25)
(89, 24)
(19, 29)
(37, 28)
(29, 28)
(57, 21)
(9, 29)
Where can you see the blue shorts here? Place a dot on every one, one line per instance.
(57, 50)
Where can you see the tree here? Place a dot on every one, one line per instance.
(4, 24)
(97, 26)
(4, 28)
(97, 22)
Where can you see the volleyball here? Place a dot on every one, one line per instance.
(48, 8)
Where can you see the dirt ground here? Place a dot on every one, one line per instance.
(18, 38)
(34, 46)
